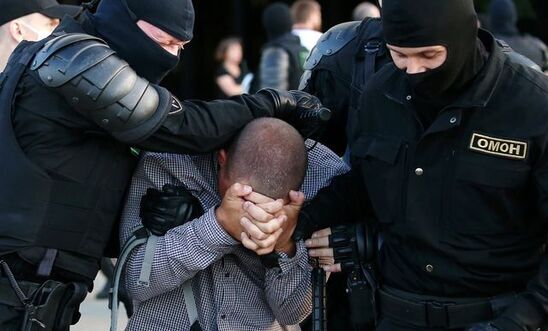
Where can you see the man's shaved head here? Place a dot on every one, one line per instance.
(270, 156)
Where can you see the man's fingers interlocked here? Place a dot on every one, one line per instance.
(261, 247)
(252, 230)
(272, 207)
(257, 213)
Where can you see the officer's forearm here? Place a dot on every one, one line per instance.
(203, 127)
(531, 308)
(344, 201)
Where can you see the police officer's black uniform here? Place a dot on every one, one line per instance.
(338, 69)
(63, 175)
(459, 198)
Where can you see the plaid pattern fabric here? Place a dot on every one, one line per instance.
(232, 289)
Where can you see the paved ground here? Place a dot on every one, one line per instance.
(95, 313)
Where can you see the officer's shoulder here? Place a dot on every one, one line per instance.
(331, 42)
(526, 73)
(536, 41)
(515, 57)
(66, 56)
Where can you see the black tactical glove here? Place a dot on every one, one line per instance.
(305, 227)
(300, 109)
(166, 209)
(352, 244)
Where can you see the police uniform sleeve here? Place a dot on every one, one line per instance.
(345, 200)
(104, 88)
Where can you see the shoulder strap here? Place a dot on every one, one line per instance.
(19, 61)
(142, 237)
(370, 46)
(515, 57)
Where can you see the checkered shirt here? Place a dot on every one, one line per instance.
(232, 289)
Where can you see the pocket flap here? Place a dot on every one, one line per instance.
(382, 148)
(492, 176)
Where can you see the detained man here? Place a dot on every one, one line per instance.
(218, 252)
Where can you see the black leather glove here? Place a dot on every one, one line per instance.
(300, 109)
(166, 209)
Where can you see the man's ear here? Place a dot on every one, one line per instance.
(222, 158)
(15, 32)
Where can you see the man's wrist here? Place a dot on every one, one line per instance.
(289, 248)
(221, 217)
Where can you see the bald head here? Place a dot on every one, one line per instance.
(365, 9)
(269, 155)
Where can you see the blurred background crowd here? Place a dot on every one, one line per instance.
(211, 55)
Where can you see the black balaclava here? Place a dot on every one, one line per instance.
(115, 22)
(277, 20)
(503, 17)
(451, 23)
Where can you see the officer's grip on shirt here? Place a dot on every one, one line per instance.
(166, 209)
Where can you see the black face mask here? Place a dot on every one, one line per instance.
(116, 24)
(450, 23)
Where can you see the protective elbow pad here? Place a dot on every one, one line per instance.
(102, 86)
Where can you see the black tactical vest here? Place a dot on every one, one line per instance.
(50, 210)
(297, 56)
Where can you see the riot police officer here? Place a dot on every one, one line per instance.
(449, 156)
(72, 105)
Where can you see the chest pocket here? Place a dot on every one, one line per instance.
(382, 162)
(490, 196)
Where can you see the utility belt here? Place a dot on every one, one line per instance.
(47, 306)
(437, 312)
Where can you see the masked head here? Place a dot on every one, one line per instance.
(147, 34)
(434, 42)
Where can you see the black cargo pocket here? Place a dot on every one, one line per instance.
(382, 162)
(488, 198)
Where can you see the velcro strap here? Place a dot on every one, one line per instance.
(46, 264)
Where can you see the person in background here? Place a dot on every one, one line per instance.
(307, 22)
(365, 9)
(30, 20)
(233, 70)
(503, 19)
(282, 56)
